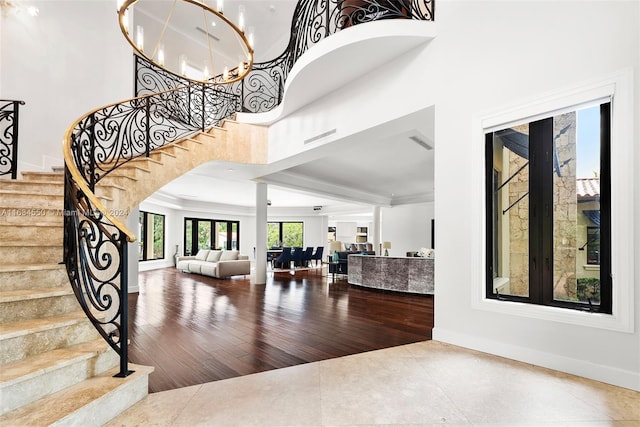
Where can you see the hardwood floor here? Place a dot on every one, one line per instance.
(195, 329)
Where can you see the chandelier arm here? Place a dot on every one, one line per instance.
(206, 29)
(164, 28)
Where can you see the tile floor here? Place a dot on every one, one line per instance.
(425, 384)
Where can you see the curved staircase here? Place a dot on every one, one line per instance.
(54, 366)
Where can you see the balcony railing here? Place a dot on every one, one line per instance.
(313, 21)
(9, 119)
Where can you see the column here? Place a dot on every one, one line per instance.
(261, 233)
(376, 229)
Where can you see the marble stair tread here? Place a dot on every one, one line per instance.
(7, 268)
(30, 367)
(27, 294)
(60, 407)
(18, 243)
(26, 327)
(43, 176)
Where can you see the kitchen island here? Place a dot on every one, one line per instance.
(401, 274)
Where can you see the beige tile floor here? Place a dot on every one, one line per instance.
(422, 384)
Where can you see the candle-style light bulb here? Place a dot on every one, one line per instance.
(140, 37)
(241, 18)
(161, 54)
(250, 37)
(183, 65)
(205, 73)
(220, 6)
(225, 73)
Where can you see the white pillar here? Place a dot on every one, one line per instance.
(261, 233)
(376, 229)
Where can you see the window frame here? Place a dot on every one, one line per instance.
(617, 87)
(281, 230)
(143, 235)
(541, 224)
(228, 244)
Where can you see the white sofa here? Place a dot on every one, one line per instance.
(215, 263)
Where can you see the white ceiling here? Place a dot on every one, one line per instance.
(381, 166)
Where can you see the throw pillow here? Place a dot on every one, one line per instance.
(202, 254)
(214, 256)
(229, 255)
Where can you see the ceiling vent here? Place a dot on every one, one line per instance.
(421, 142)
(322, 135)
(207, 33)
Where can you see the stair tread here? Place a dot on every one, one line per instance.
(27, 294)
(29, 243)
(24, 369)
(33, 224)
(24, 327)
(29, 192)
(174, 145)
(56, 406)
(6, 268)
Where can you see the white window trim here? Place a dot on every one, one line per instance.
(619, 88)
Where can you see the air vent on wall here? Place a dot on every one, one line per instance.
(421, 142)
(322, 135)
(207, 33)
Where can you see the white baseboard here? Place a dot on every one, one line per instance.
(582, 368)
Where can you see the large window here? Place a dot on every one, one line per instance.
(285, 234)
(151, 236)
(548, 183)
(204, 233)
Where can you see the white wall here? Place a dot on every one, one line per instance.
(489, 56)
(407, 227)
(68, 60)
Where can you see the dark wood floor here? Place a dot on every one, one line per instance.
(195, 329)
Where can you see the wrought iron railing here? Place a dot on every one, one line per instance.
(169, 108)
(313, 21)
(9, 119)
(95, 240)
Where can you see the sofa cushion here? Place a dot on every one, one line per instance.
(183, 265)
(229, 256)
(214, 256)
(202, 254)
(210, 269)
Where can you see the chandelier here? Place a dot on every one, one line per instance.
(189, 38)
(18, 8)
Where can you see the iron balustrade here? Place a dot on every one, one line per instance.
(169, 108)
(95, 241)
(313, 20)
(9, 119)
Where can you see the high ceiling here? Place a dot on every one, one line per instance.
(382, 166)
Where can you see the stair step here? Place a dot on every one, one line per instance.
(15, 277)
(92, 402)
(25, 381)
(27, 338)
(43, 176)
(32, 231)
(27, 199)
(31, 213)
(39, 252)
(28, 304)
(42, 187)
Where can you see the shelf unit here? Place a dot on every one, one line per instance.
(361, 234)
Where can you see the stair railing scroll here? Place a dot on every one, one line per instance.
(313, 20)
(95, 239)
(9, 119)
